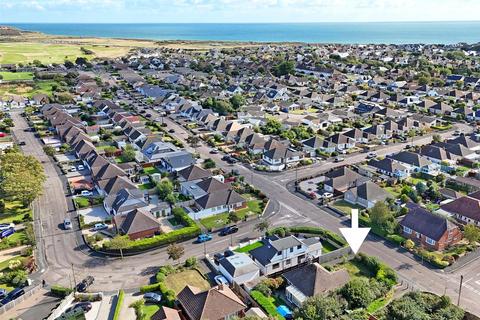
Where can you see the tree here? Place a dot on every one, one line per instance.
(284, 68)
(382, 217)
(421, 187)
(262, 226)
(120, 243)
(233, 217)
(21, 177)
(49, 151)
(273, 126)
(409, 244)
(437, 138)
(164, 188)
(237, 101)
(471, 233)
(129, 153)
(358, 293)
(321, 308)
(175, 251)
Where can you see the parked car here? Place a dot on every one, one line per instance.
(228, 230)
(171, 131)
(85, 306)
(67, 224)
(100, 226)
(21, 143)
(5, 226)
(12, 295)
(86, 193)
(214, 151)
(312, 195)
(72, 169)
(80, 168)
(82, 286)
(7, 233)
(204, 237)
(339, 159)
(220, 280)
(3, 293)
(152, 297)
(371, 155)
(327, 195)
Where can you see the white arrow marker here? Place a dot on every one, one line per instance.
(355, 235)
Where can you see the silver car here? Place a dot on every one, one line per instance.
(67, 224)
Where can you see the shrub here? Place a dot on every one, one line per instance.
(60, 291)
(264, 289)
(191, 262)
(150, 288)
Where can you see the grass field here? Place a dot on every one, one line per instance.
(345, 206)
(27, 90)
(250, 247)
(178, 281)
(220, 220)
(7, 76)
(14, 210)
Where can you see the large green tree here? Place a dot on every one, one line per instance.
(358, 293)
(21, 177)
(321, 307)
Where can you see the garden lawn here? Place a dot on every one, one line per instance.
(178, 281)
(394, 191)
(7, 76)
(14, 210)
(146, 186)
(355, 269)
(82, 202)
(150, 170)
(215, 221)
(250, 247)
(4, 264)
(380, 303)
(149, 310)
(253, 207)
(328, 247)
(345, 206)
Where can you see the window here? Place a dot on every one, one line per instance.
(288, 261)
(430, 241)
(299, 247)
(407, 230)
(276, 265)
(291, 249)
(279, 253)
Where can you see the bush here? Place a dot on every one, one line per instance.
(191, 262)
(60, 291)
(116, 314)
(382, 272)
(264, 289)
(322, 233)
(398, 239)
(150, 288)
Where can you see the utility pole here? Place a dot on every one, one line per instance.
(205, 248)
(74, 280)
(460, 290)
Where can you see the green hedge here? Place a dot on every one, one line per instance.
(150, 287)
(118, 307)
(381, 271)
(60, 291)
(266, 303)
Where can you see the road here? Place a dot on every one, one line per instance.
(67, 258)
(295, 211)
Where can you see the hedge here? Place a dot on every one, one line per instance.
(60, 291)
(118, 307)
(266, 303)
(381, 271)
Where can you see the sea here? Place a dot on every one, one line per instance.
(353, 33)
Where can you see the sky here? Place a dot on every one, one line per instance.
(225, 11)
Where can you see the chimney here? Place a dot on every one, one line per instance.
(220, 287)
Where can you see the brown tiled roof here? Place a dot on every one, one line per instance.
(137, 220)
(216, 303)
(194, 172)
(165, 313)
(464, 206)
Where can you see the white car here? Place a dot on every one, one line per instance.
(99, 226)
(371, 155)
(220, 280)
(86, 193)
(6, 226)
(72, 169)
(327, 195)
(67, 224)
(80, 168)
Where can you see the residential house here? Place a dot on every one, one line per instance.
(430, 230)
(210, 204)
(279, 254)
(124, 201)
(465, 209)
(415, 162)
(366, 194)
(137, 224)
(341, 179)
(390, 168)
(239, 268)
(219, 303)
(312, 280)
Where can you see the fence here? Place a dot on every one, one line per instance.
(20, 299)
(334, 255)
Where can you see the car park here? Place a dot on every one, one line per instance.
(100, 226)
(204, 238)
(228, 230)
(152, 297)
(67, 224)
(82, 286)
(220, 280)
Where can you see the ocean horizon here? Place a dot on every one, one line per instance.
(448, 32)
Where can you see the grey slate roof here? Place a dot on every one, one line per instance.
(220, 198)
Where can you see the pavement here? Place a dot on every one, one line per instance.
(37, 306)
(67, 260)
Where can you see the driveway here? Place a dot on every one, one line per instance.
(94, 214)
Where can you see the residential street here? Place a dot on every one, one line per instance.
(68, 260)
